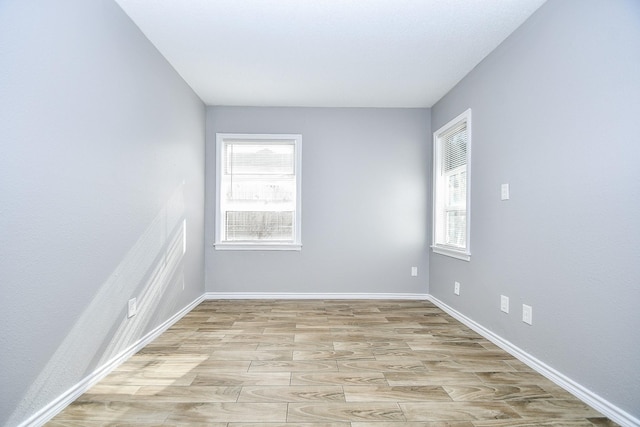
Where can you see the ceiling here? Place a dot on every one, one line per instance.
(326, 53)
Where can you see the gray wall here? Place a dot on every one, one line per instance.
(555, 114)
(101, 163)
(364, 202)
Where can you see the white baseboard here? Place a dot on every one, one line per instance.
(587, 396)
(65, 399)
(305, 295)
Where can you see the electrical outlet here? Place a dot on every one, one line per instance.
(504, 192)
(132, 308)
(527, 314)
(504, 303)
(414, 271)
(456, 288)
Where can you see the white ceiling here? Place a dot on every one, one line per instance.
(326, 53)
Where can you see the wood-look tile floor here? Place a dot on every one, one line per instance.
(324, 363)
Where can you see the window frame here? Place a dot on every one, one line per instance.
(440, 191)
(296, 243)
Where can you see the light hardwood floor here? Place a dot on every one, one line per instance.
(324, 363)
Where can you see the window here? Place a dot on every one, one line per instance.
(452, 149)
(258, 191)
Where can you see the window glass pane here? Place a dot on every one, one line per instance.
(259, 225)
(267, 188)
(457, 188)
(455, 228)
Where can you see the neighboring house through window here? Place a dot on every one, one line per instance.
(258, 192)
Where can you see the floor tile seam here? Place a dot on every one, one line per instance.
(448, 420)
(399, 401)
(497, 399)
(584, 406)
(384, 403)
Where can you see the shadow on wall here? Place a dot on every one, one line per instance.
(151, 268)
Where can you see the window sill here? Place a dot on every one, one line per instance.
(258, 247)
(465, 256)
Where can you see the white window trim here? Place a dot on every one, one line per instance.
(296, 245)
(440, 248)
(452, 252)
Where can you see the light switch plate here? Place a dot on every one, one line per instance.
(527, 314)
(504, 303)
(132, 308)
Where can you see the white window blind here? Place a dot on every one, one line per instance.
(258, 191)
(455, 147)
(451, 166)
